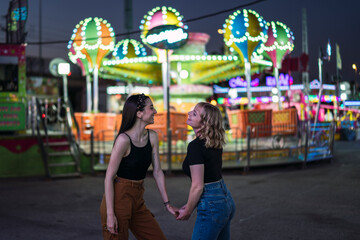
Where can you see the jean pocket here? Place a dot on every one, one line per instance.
(219, 211)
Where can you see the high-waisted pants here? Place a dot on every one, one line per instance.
(215, 210)
(131, 213)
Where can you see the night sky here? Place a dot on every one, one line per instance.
(338, 21)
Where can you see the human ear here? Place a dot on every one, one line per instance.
(139, 114)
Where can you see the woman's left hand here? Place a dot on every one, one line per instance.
(173, 210)
(184, 213)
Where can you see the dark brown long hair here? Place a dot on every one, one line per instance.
(133, 104)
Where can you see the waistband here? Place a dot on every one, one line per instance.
(214, 185)
(133, 183)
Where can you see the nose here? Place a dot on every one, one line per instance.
(155, 112)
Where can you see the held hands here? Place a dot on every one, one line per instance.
(180, 214)
(173, 210)
(184, 213)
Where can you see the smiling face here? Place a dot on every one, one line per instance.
(147, 115)
(194, 119)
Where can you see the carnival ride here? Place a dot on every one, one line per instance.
(253, 45)
(259, 134)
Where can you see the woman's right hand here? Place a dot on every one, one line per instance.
(112, 224)
(184, 213)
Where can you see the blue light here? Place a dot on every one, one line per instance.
(352, 103)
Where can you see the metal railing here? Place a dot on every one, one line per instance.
(52, 116)
(261, 146)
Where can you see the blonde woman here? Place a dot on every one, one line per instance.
(203, 163)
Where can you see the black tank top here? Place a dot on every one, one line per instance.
(135, 165)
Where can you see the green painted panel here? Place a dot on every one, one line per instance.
(12, 116)
(24, 164)
(234, 119)
(21, 157)
(256, 117)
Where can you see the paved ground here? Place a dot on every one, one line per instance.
(320, 202)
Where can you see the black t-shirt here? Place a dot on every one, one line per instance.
(197, 153)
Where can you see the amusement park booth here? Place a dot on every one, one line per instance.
(12, 87)
(34, 140)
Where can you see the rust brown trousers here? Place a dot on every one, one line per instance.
(131, 213)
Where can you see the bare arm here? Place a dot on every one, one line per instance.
(120, 147)
(158, 173)
(196, 189)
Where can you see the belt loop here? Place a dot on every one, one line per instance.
(223, 186)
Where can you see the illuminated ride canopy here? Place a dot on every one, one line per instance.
(91, 41)
(189, 64)
(191, 71)
(245, 32)
(200, 68)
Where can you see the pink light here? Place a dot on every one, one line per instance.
(284, 80)
(156, 19)
(240, 82)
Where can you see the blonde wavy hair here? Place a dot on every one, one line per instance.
(212, 130)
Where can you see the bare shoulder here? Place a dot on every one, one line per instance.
(153, 135)
(122, 140)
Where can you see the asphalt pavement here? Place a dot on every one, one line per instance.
(282, 203)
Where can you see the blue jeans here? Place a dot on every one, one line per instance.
(215, 210)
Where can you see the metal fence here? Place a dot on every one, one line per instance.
(258, 146)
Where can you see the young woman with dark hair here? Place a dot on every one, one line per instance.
(135, 148)
(203, 163)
